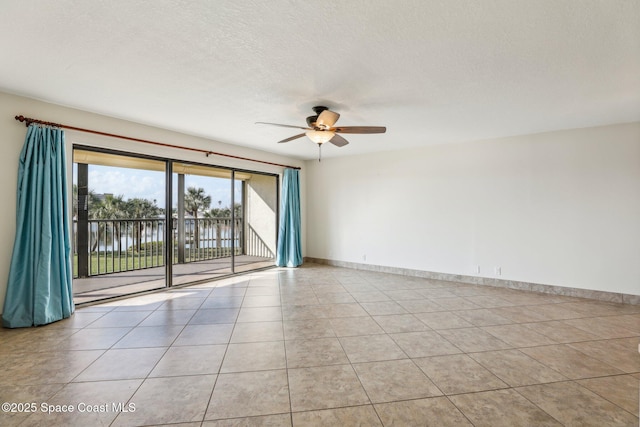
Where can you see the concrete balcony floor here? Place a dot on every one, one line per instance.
(129, 282)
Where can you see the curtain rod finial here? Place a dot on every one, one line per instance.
(22, 119)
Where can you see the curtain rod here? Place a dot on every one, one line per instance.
(28, 121)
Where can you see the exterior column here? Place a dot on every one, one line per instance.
(181, 231)
(82, 233)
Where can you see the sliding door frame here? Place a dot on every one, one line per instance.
(233, 214)
(168, 231)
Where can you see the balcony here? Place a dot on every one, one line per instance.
(116, 257)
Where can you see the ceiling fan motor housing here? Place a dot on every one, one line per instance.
(311, 120)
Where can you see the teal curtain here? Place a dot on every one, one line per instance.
(39, 287)
(289, 242)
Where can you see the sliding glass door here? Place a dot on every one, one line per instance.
(118, 224)
(144, 223)
(224, 221)
(204, 228)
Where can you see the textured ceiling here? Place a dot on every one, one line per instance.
(432, 71)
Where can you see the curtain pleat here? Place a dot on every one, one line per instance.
(39, 286)
(289, 252)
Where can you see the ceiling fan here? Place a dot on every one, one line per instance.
(320, 129)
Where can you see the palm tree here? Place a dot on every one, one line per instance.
(224, 212)
(221, 219)
(217, 213)
(74, 201)
(138, 208)
(93, 201)
(195, 200)
(110, 207)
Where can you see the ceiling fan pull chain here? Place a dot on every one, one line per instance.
(319, 152)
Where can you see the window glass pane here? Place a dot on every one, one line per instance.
(118, 225)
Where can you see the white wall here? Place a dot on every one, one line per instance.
(560, 208)
(261, 208)
(12, 134)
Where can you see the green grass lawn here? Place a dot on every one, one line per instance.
(114, 263)
(122, 263)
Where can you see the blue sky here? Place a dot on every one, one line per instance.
(145, 184)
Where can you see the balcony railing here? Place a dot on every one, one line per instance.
(134, 244)
(210, 238)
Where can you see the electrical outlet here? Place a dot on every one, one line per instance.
(498, 271)
(364, 257)
(477, 269)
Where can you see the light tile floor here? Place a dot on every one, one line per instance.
(318, 346)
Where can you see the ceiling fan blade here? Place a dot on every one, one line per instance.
(284, 126)
(338, 141)
(360, 129)
(327, 119)
(292, 138)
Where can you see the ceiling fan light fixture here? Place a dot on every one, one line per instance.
(320, 136)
